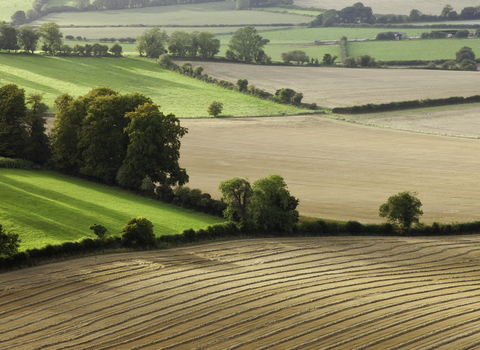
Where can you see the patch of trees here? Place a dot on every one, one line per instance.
(22, 125)
(247, 45)
(196, 44)
(361, 15)
(394, 106)
(117, 139)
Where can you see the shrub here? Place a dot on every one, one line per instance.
(297, 98)
(468, 65)
(242, 85)
(99, 230)
(9, 243)
(285, 95)
(350, 62)
(138, 232)
(385, 36)
(215, 108)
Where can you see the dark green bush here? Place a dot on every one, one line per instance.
(138, 232)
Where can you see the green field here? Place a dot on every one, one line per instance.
(215, 13)
(47, 207)
(9, 7)
(426, 50)
(177, 94)
(296, 11)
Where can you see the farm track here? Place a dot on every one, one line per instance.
(325, 293)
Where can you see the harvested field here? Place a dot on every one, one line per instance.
(434, 7)
(336, 87)
(336, 169)
(303, 293)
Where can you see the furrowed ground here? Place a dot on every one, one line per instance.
(303, 293)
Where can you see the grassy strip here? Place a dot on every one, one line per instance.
(182, 96)
(45, 207)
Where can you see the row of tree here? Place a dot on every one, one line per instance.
(358, 13)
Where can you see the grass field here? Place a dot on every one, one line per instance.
(426, 50)
(9, 7)
(215, 13)
(433, 7)
(303, 293)
(47, 207)
(177, 94)
(296, 11)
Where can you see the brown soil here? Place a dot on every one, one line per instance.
(303, 293)
(338, 170)
(336, 87)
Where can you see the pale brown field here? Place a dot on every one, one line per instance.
(433, 7)
(338, 170)
(336, 87)
(305, 293)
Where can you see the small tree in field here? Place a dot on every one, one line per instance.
(99, 230)
(402, 208)
(138, 232)
(215, 108)
(9, 243)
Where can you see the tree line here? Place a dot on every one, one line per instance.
(360, 14)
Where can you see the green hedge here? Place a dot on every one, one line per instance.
(230, 230)
(394, 106)
(14, 163)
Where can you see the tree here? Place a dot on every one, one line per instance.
(242, 4)
(415, 15)
(468, 65)
(236, 193)
(242, 85)
(350, 62)
(215, 108)
(37, 147)
(208, 46)
(138, 232)
(18, 18)
(116, 50)
(402, 208)
(28, 38)
(99, 230)
(461, 34)
(9, 39)
(272, 206)
(465, 53)
(365, 61)
(51, 37)
(246, 43)
(152, 42)
(154, 146)
(12, 119)
(298, 56)
(9, 243)
(328, 60)
(446, 10)
(178, 43)
(82, 5)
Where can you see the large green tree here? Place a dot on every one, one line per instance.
(12, 121)
(28, 38)
(465, 53)
(152, 42)
(9, 38)
(9, 243)
(179, 42)
(246, 44)
(236, 193)
(37, 148)
(402, 208)
(208, 46)
(154, 146)
(51, 37)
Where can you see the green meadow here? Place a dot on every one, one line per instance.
(286, 10)
(432, 49)
(213, 13)
(9, 7)
(175, 93)
(46, 207)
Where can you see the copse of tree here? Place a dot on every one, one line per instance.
(265, 206)
(28, 38)
(117, 138)
(152, 42)
(298, 56)
(51, 37)
(183, 44)
(247, 45)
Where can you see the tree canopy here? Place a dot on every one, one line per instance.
(152, 42)
(246, 44)
(51, 37)
(402, 208)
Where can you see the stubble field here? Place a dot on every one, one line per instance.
(304, 293)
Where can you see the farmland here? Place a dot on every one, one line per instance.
(215, 13)
(388, 6)
(182, 96)
(329, 87)
(304, 293)
(10, 7)
(50, 208)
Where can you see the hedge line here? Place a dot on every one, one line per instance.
(229, 230)
(394, 106)
(15, 163)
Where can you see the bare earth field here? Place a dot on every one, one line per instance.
(433, 7)
(303, 293)
(336, 87)
(338, 170)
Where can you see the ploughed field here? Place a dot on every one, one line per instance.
(302, 293)
(336, 87)
(338, 170)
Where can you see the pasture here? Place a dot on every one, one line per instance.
(432, 49)
(214, 13)
(387, 6)
(46, 207)
(177, 94)
(305, 293)
(330, 87)
(339, 170)
(9, 7)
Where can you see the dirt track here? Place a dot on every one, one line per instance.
(338, 170)
(336, 87)
(324, 293)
